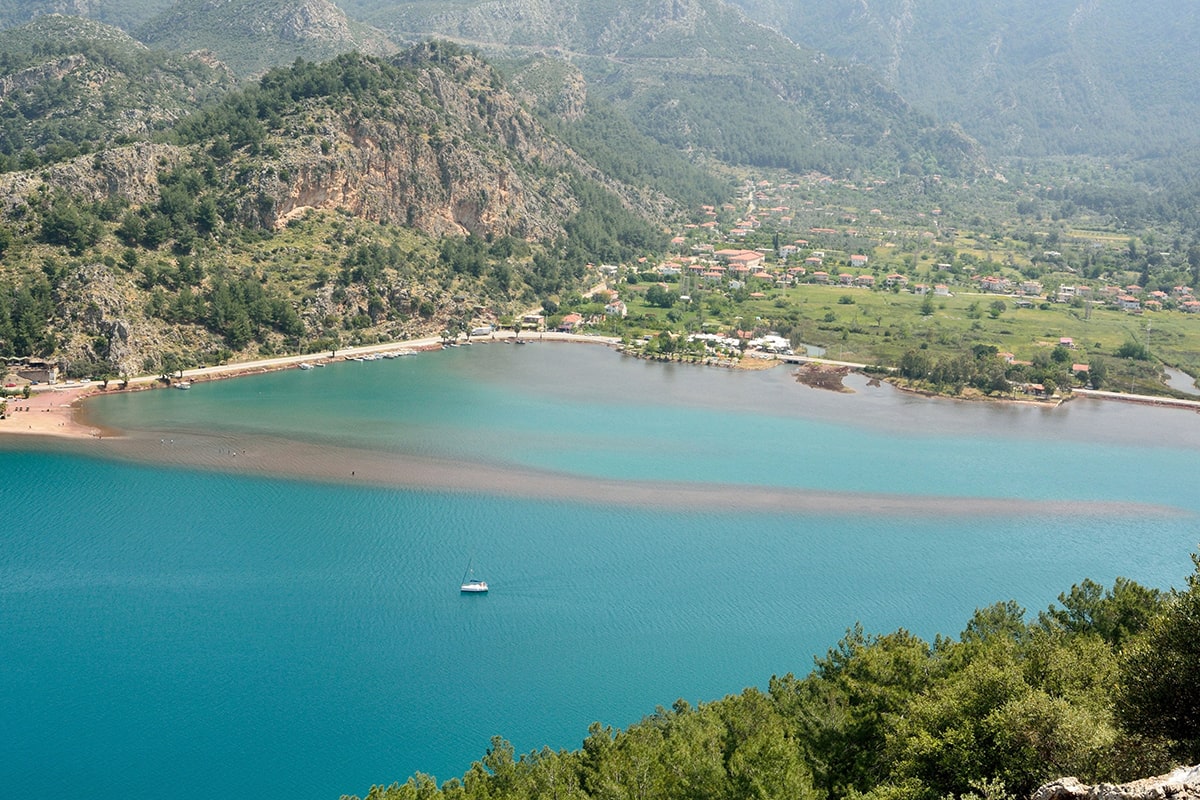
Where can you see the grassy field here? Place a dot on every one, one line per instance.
(879, 326)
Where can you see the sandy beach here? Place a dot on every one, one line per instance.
(49, 412)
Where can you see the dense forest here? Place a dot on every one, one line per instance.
(1100, 685)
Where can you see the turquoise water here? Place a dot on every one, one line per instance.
(220, 634)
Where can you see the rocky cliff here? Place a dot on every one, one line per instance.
(1180, 784)
(450, 154)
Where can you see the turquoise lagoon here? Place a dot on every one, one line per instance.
(168, 624)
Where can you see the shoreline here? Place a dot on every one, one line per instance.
(57, 411)
(58, 416)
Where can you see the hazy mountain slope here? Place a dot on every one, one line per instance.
(69, 85)
(700, 76)
(1029, 76)
(126, 14)
(251, 36)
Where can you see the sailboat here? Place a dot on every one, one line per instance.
(471, 584)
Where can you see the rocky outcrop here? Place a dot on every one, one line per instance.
(130, 172)
(32, 77)
(99, 323)
(453, 154)
(1181, 784)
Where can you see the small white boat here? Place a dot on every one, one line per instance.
(305, 365)
(471, 584)
(182, 384)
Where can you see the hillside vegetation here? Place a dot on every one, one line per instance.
(69, 86)
(251, 36)
(1098, 686)
(699, 77)
(1022, 76)
(302, 212)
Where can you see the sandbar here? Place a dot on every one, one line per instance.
(55, 415)
(289, 459)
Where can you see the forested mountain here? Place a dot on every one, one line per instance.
(71, 86)
(306, 210)
(1026, 77)
(125, 14)
(251, 36)
(699, 76)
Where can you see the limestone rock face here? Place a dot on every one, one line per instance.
(130, 172)
(1181, 784)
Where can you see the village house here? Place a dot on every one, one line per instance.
(1066, 294)
(35, 370)
(571, 323)
(896, 279)
(1127, 302)
(859, 261)
(995, 284)
(616, 308)
(866, 281)
(751, 259)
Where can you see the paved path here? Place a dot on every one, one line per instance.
(284, 362)
(1147, 399)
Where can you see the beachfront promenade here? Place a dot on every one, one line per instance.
(341, 354)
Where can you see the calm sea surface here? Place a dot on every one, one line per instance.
(165, 628)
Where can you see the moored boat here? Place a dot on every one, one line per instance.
(471, 584)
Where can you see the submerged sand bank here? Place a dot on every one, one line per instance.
(267, 457)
